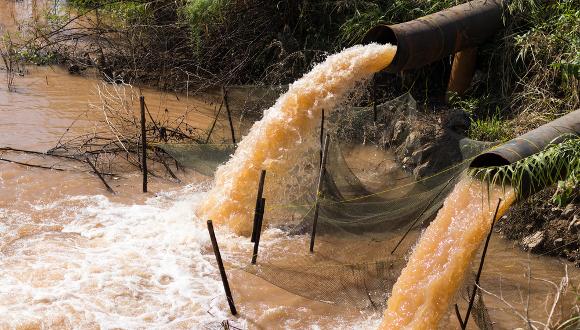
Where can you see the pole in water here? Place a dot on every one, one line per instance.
(375, 98)
(225, 97)
(319, 192)
(480, 269)
(258, 202)
(321, 135)
(143, 143)
(218, 257)
(258, 230)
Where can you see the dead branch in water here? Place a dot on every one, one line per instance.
(553, 300)
(116, 136)
(100, 176)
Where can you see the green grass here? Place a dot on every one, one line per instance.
(489, 129)
(558, 162)
(367, 14)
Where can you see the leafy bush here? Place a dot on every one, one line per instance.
(120, 12)
(199, 14)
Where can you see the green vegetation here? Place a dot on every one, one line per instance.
(529, 71)
(199, 14)
(558, 162)
(118, 12)
(491, 128)
(367, 14)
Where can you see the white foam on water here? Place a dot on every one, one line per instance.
(136, 266)
(114, 265)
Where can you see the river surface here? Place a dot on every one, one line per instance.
(74, 256)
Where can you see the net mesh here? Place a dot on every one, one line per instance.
(365, 209)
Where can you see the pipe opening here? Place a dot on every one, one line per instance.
(381, 34)
(489, 159)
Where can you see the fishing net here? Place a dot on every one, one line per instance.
(365, 208)
(203, 158)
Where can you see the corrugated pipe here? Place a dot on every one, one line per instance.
(531, 143)
(430, 38)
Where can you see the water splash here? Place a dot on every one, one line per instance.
(284, 134)
(436, 268)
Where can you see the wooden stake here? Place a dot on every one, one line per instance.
(258, 203)
(321, 135)
(218, 257)
(259, 230)
(319, 191)
(143, 143)
(225, 97)
(476, 285)
(374, 98)
(100, 176)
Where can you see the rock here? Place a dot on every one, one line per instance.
(421, 170)
(400, 132)
(416, 156)
(534, 241)
(569, 210)
(413, 141)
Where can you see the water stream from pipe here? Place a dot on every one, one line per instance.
(278, 141)
(441, 258)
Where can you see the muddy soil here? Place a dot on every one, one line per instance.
(541, 227)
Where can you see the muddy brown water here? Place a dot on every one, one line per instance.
(73, 256)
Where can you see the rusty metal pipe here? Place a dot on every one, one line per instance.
(430, 38)
(462, 72)
(531, 143)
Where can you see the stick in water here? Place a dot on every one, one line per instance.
(319, 191)
(143, 143)
(476, 285)
(218, 257)
(258, 230)
(321, 136)
(258, 201)
(100, 176)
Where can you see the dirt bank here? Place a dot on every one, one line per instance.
(540, 226)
